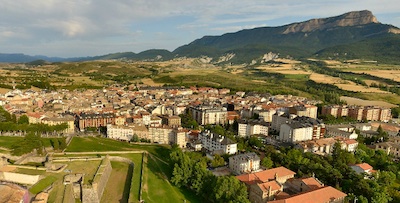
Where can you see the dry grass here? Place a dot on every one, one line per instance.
(83, 80)
(4, 90)
(351, 86)
(361, 102)
(320, 78)
(148, 81)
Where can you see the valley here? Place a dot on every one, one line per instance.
(310, 78)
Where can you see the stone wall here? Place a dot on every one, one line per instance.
(93, 193)
(19, 178)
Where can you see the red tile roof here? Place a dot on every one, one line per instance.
(265, 186)
(265, 176)
(321, 195)
(364, 166)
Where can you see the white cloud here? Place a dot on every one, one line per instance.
(40, 23)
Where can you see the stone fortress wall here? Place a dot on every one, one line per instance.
(19, 178)
(93, 193)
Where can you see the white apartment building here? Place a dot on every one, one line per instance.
(180, 138)
(161, 135)
(119, 132)
(244, 163)
(209, 115)
(217, 143)
(295, 132)
(247, 128)
(126, 132)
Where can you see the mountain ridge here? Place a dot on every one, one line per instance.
(300, 39)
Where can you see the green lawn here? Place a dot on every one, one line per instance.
(42, 184)
(157, 188)
(8, 141)
(91, 144)
(118, 186)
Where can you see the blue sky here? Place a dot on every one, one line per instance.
(75, 28)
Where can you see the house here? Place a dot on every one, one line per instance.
(363, 168)
(264, 185)
(280, 174)
(321, 146)
(325, 194)
(300, 185)
(244, 163)
(392, 148)
(334, 131)
(326, 145)
(263, 192)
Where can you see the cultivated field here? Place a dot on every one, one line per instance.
(351, 86)
(361, 102)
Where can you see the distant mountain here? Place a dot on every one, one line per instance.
(296, 39)
(323, 37)
(381, 49)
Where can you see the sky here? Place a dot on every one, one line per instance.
(77, 28)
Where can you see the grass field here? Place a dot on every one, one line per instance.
(157, 188)
(118, 186)
(8, 141)
(43, 184)
(91, 144)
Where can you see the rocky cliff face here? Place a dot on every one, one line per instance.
(348, 19)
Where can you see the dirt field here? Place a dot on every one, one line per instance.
(344, 84)
(356, 101)
(7, 168)
(150, 82)
(320, 78)
(3, 90)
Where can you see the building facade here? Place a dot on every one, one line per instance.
(244, 163)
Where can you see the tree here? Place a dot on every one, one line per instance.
(55, 144)
(23, 119)
(267, 162)
(217, 161)
(229, 189)
(62, 143)
(135, 138)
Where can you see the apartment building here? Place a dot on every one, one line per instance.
(217, 144)
(209, 115)
(244, 163)
(252, 127)
(370, 113)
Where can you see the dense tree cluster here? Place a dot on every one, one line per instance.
(334, 170)
(31, 142)
(188, 121)
(192, 172)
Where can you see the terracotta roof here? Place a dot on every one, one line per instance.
(312, 183)
(351, 142)
(321, 195)
(265, 176)
(364, 166)
(265, 186)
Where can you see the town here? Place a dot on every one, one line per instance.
(216, 123)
